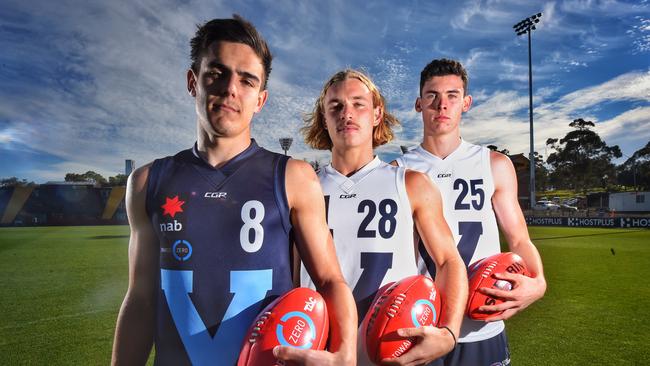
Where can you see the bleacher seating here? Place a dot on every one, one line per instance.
(62, 204)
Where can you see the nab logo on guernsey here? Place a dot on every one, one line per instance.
(171, 207)
(217, 195)
(171, 226)
(444, 175)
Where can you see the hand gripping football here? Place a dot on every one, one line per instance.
(480, 275)
(412, 302)
(297, 319)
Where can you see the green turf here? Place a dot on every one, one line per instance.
(594, 309)
(60, 293)
(62, 288)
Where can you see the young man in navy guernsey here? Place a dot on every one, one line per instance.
(479, 194)
(211, 227)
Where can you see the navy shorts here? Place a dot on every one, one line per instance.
(490, 352)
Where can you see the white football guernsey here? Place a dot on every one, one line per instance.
(370, 217)
(466, 185)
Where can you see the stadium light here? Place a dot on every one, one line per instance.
(285, 143)
(527, 26)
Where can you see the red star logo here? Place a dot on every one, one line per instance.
(172, 206)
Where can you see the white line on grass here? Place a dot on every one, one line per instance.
(42, 320)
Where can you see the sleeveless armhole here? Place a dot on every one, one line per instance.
(153, 180)
(280, 188)
(487, 166)
(400, 182)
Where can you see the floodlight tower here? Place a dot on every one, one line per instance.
(527, 26)
(285, 143)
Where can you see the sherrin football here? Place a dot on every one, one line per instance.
(412, 302)
(297, 319)
(480, 274)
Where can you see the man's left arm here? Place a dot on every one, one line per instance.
(512, 223)
(316, 249)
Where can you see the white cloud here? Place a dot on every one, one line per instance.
(630, 128)
(466, 14)
(641, 34)
(599, 7)
(487, 16)
(629, 86)
(5, 138)
(476, 57)
(550, 17)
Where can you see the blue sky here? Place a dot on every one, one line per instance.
(85, 85)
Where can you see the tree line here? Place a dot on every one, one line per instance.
(87, 177)
(581, 161)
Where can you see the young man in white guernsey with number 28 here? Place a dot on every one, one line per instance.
(479, 191)
(372, 207)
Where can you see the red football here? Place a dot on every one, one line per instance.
(412, 302)
(297, 318)
(480, 275)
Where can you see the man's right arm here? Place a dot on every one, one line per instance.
(136, 320)
(316, 248)
(451, 278)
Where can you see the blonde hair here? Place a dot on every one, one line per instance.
(315, 131)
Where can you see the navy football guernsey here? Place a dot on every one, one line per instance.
(224, 251)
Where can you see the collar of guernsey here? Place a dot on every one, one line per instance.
(251, 149)
(347, 183)
(464, 146)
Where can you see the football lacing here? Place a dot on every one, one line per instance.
(258, 326)
(488, 270)
(394, 307)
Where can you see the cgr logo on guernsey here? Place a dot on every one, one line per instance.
(217, 195)
(444, 175)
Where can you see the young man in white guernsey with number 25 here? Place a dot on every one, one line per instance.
(479, 191)
(372, 207)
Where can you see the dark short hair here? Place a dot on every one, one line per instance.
(443, 67)
(237, 30)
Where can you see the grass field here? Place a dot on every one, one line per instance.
(62, 288)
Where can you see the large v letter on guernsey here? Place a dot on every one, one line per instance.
(249, 287)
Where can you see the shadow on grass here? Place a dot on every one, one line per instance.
(108, 237)
(586, 235)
